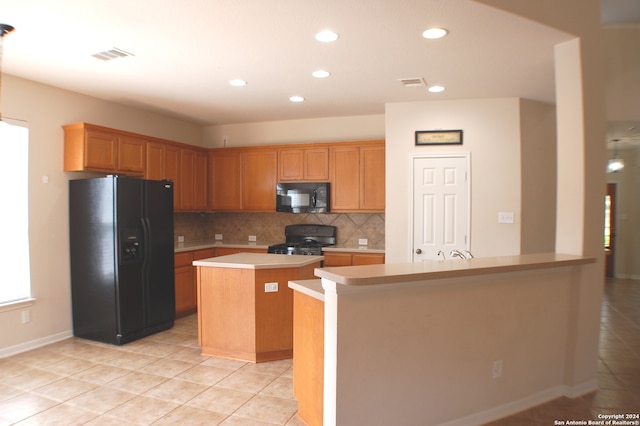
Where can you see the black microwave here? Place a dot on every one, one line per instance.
(303, 197)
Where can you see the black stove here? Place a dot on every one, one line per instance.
(305, 240)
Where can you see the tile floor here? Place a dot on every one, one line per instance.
(163, 380)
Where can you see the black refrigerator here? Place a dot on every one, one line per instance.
(121, 250)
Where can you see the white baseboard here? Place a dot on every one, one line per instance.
(33, 344)
(627, 277)
(524, 404)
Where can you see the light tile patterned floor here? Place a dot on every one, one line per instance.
(163, 380)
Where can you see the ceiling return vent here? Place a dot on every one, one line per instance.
(111, 54)
(413, 82)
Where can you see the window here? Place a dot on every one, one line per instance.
(15, 285)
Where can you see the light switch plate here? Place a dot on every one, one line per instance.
(252, 238)
(506, 217)
(181, 238)
(218, 237)
(271, 287)
(363, 242)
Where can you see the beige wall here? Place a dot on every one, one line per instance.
(333, 129)
(46, 109)
(538, 169)
(491, 134)
(622, 63)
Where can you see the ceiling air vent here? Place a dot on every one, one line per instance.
(110, 54)
(413, 82)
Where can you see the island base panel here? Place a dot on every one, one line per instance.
(308, 358)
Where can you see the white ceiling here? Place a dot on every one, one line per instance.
(186, 52)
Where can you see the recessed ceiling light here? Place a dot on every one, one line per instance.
(436, 89)
(327, 36)
(296, 99)
(237, 82)
(434, 33)
(321, 74)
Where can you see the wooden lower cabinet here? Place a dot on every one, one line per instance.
(237, 319)
(185, 275)
(352, 258)
(185, 280)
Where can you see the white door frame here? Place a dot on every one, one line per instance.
(412, 160)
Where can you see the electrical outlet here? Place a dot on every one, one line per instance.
(270, 287)
(181, 238)
(26, 316)
(252, 238)
(497, 368)
(218, 237)
(505, 217)
(363, 241)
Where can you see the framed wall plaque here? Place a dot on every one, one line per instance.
(438, 137)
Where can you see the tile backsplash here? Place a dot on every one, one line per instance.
(269, 227)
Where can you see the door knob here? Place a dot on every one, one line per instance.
(418, 251)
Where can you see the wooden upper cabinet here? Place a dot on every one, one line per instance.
(259, 169)
(131, 154)
(372, 178)
(358, 177)
(345, 178)
(303, 164)
(192, 183)
(93, 148)
(225, 192)
(163, 162)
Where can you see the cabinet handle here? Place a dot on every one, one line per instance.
(418, 251)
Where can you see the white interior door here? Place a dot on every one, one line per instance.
(440, 206)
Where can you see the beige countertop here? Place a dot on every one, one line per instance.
(258, 261)
(201, 245)
(409, 272)
(352, 249)
(311, 288)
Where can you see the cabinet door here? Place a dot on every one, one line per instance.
(131, 154)
(101, 150)
(316, 164)
(155, 161)
(184, 283)
(372, 178)
(290, 164)
(172, 171)
(187, 164)
(337, 259)
(259, 180)
(345, 178)
(367, 259)
(200, 181)
(224, 181)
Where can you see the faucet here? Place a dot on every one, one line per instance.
(440, 252)
(457, 253)
(469, 255)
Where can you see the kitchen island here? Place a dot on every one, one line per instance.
(245, 308)
(455, 342)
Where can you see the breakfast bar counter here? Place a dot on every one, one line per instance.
(245, 308)
(453, 342)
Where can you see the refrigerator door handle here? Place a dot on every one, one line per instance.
(146, 232)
